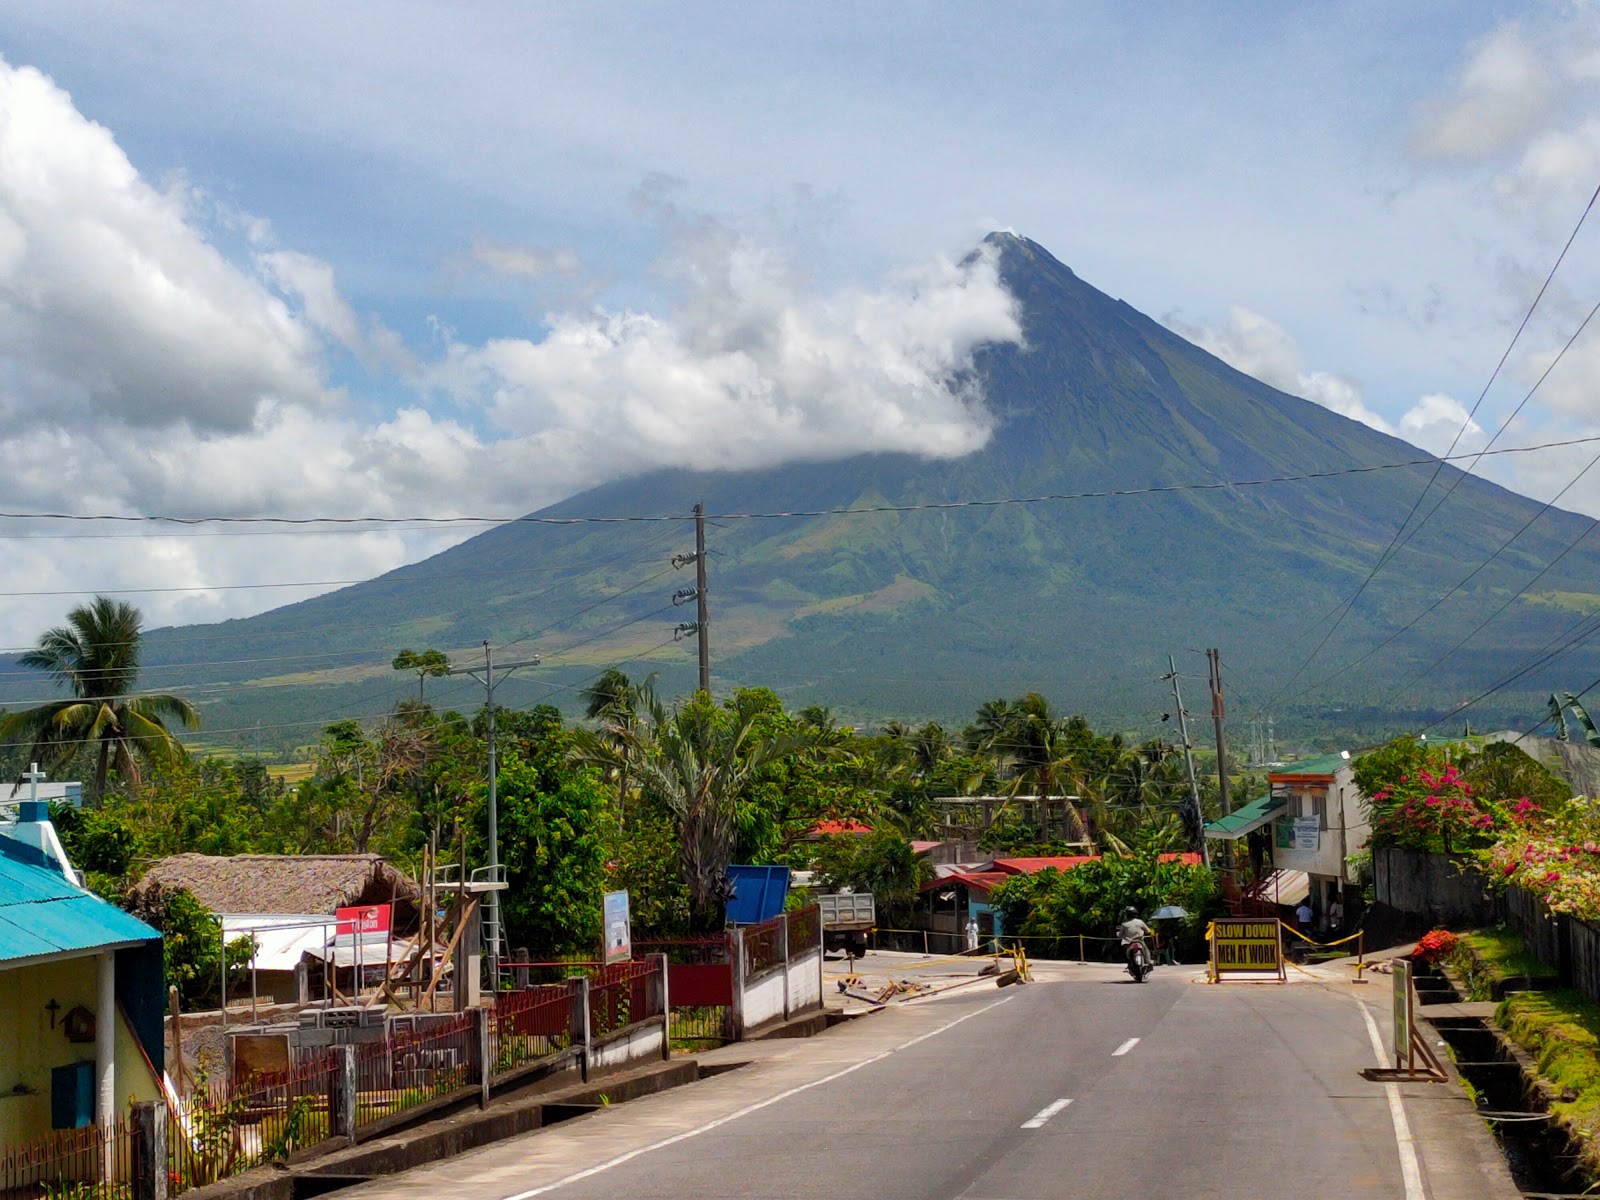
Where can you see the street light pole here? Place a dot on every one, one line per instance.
(493, 934)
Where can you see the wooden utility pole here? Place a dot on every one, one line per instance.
(1214, 660)
(1188, 759)
(700, 618)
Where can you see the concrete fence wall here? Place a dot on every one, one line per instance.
(1441, 887)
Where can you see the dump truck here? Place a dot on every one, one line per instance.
(847, 918)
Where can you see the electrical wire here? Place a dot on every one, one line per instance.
(1344, 608)
(931, 506)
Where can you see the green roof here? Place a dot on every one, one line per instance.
(1325, 764)
(1242, 820)
(43, 915)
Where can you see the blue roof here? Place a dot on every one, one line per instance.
(42, 914)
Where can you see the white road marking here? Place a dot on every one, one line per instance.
(747, 1109)
(1125, 1047)
(1410, 1171)
(1044, 1114)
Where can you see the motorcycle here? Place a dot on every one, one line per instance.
(1140, 964)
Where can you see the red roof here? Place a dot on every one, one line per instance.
(924, 847)
(1065, 862)
(978, 881)
(1032, 866)
(847, 825)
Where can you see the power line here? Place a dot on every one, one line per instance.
(1343, 610)
(932, 506)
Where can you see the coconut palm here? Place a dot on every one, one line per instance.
(698, 761)
(96, 655)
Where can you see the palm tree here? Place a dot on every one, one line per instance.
(96, 655)
(615, 701)
(698, 761)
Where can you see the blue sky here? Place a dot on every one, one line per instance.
(403, 258)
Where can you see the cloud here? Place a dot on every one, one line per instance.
(1503, 88)
(1265, 350)
(526, 262)
(144, 371)
(749, 368)
(1523, 100)
(112, 306)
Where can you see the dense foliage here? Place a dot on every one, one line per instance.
(1090, 899)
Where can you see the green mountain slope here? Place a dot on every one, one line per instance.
(926, 613)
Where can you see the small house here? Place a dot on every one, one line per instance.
(82, 992)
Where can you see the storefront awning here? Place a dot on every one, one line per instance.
(1244, 820)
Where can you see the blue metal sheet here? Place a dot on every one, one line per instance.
(18, 941)
(41, 913)
(758, 893)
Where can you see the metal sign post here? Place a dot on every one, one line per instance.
(1414, 1059)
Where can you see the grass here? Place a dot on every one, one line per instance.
(1561, 1031)
(1486, 957)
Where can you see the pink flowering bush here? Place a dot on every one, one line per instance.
(1556, 858)
(1451, 798)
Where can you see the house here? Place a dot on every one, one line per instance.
(287, 904)
(1310, 821)
(82, 991)
(959, 893)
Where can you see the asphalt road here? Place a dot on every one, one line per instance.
(1087, 1086)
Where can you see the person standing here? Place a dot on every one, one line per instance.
(1335, 916)
(1302, 916)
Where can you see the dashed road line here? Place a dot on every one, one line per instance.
(1044, 1114)
(1125, 1047)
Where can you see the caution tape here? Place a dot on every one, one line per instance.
(1311, 941)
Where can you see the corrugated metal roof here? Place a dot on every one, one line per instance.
(1326, 764)
(1243, 820)
(41, 913)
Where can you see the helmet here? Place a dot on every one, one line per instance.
(1130, 912)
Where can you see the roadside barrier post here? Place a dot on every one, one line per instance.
(150, 1150)
(666, 1008)
(580, 1024)
(480, 1050)
(1080, 949)
(342, 1104)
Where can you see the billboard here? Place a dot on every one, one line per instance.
(617, 935)
(364, 925)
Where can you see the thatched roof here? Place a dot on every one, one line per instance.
(280, 883)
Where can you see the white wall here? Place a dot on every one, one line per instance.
(1347, 827)
(805, 983)
(642, 1042)
(763, 1000)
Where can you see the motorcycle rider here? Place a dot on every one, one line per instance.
(1132, 930)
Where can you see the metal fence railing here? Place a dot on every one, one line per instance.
(763, 947)
(232, 1126)
(623, 993)
(95, 1162)
(412, 1067)
(530, 1025)
(238, 1123)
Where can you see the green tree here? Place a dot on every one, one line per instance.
(881, 862)
(95, 655)
(428, 664)
(698, 763)
(554, 832)
(191, 942)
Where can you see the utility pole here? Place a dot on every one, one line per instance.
(493, 933)
(1188, 759)
(700, 596)
(1214, 659)
(700, 625)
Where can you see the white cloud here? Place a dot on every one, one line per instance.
(525, 262)
(1503, 88)
(142, 371)
(112, 307)
(1265, 350)
(750, 369)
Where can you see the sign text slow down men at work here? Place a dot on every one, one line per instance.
(1252, 947)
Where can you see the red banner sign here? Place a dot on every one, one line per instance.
(368, 920)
